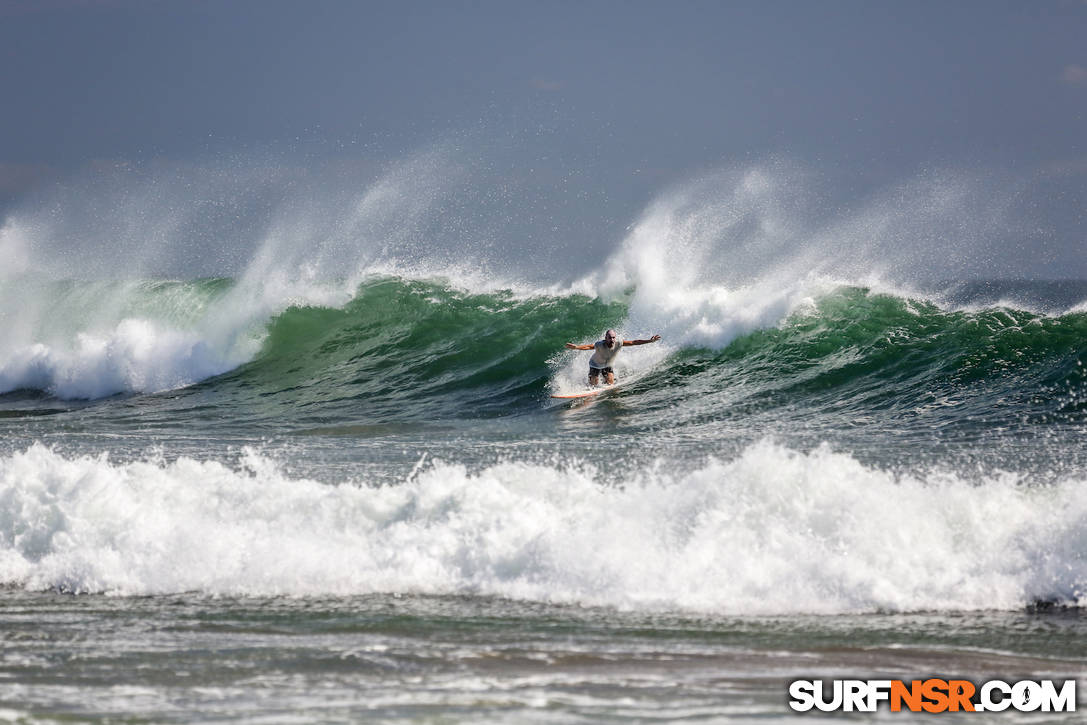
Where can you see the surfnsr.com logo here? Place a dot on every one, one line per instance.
(933, 695)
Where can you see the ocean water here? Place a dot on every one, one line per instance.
(326, 481)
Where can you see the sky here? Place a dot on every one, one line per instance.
(611, 100)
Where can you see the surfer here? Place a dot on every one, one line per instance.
(605, 352)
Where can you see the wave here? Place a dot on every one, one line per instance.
(871, 350)
(402, 293)
(404, 349)
(772, 531)
(85, 339)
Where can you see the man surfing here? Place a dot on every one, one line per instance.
(605, 352)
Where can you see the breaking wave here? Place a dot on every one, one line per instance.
(773, 531)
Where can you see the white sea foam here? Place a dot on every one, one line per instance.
(85, 340)
(773, 531)
(137, 355)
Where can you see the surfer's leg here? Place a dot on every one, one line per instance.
(594, 376)
(611, 378)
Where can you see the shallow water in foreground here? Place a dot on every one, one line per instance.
(188, 658)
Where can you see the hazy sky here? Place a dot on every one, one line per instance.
(635, 94)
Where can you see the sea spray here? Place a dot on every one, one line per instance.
(94, 339)
(739, 249)
(77, 324)
(772, 531)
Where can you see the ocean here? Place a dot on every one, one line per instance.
(331, 486)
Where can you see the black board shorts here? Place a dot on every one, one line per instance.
(598, 371)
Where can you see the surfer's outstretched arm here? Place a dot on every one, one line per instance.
(572, 346)
(641, 342)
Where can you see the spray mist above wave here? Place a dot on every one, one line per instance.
(709, 260)
(292, 247)
(773, 531)
(741, 249)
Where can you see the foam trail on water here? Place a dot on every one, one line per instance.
(773, 531)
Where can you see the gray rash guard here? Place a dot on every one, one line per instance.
(604, 355)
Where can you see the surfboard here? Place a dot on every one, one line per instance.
(587, 393)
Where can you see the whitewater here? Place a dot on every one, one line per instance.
(771, 532)
(324, 437)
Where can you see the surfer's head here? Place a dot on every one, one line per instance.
(610, 337)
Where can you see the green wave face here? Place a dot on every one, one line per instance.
(887, 345)
(894, 372)
(418, 350)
